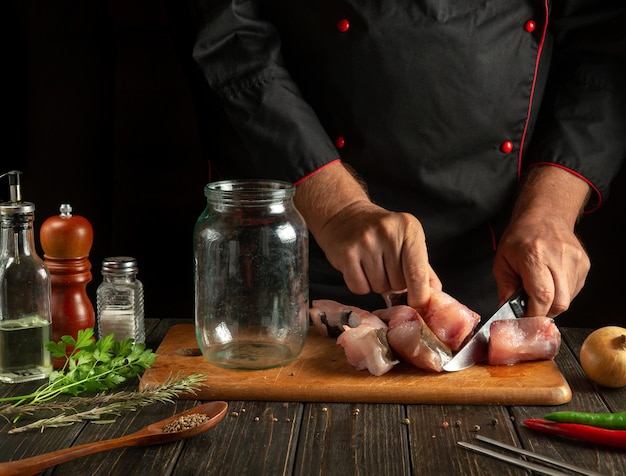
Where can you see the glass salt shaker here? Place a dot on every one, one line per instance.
(251, 275)
(25, 290)
(119, 300)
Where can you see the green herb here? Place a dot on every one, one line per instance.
(104, 407)
(613, 421)
(93, 365)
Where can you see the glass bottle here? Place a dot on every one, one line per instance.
(119, 300)
(251, 275)
(25, 319)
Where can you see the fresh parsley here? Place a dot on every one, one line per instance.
(91, 366)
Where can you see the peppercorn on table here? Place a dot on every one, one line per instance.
(304, 438)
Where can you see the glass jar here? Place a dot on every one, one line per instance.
(119, 300)
(251, 275)
(25, 317)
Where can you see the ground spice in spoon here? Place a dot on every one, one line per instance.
(185, 422)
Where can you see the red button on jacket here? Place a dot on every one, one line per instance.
(343, 25)
(530, 26)
(506, 146)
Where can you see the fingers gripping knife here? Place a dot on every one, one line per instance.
(475, 351)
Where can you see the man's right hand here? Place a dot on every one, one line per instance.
(376, 250)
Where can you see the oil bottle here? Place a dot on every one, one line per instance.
(25, 290)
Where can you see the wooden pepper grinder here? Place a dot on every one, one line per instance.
(66, 240)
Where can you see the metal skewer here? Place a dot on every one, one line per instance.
(526, 464)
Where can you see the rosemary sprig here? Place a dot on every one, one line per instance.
(107, 405)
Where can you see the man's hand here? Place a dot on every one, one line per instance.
(539, 248)
(376, 250)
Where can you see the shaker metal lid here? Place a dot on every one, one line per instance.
(120, 264)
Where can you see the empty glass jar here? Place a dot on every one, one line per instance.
(251, 275)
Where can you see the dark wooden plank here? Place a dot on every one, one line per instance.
(159, 459)
(255, 438)
(352, 438)
(434, 431)
(23, 445)
(150, 326)
(603, 459)
(584, 398)
(272, 438)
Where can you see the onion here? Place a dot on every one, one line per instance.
(603, 356)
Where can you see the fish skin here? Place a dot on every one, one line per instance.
(410, 337)
(366, 347)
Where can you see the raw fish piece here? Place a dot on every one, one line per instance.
(396, 314)
(450, 320)
(523, 339)
(328, 324)
(412, 340)
(366, 347)
(355, 320)
(330, 317)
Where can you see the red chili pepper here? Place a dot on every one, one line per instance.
(589, 433)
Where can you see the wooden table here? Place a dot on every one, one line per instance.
(299, 438)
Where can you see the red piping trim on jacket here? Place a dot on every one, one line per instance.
(532, 89)
(298, 182)
(573, 172)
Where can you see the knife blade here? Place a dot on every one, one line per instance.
(475, 351)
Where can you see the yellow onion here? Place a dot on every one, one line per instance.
(603, 356)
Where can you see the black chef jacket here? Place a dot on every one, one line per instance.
(440, 106)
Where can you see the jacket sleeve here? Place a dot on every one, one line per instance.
(239, 55)
(582, 123)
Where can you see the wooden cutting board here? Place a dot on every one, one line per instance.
(322, 374)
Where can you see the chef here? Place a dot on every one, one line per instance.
(432, 143)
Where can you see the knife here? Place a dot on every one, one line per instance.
(475, 351)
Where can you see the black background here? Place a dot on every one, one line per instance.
(99, 113)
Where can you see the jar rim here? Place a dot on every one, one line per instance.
(249, 189)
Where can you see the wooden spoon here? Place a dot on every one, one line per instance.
(153, 434)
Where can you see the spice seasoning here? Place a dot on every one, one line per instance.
(186, 422)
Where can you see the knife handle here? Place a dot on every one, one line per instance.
(519, 302)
